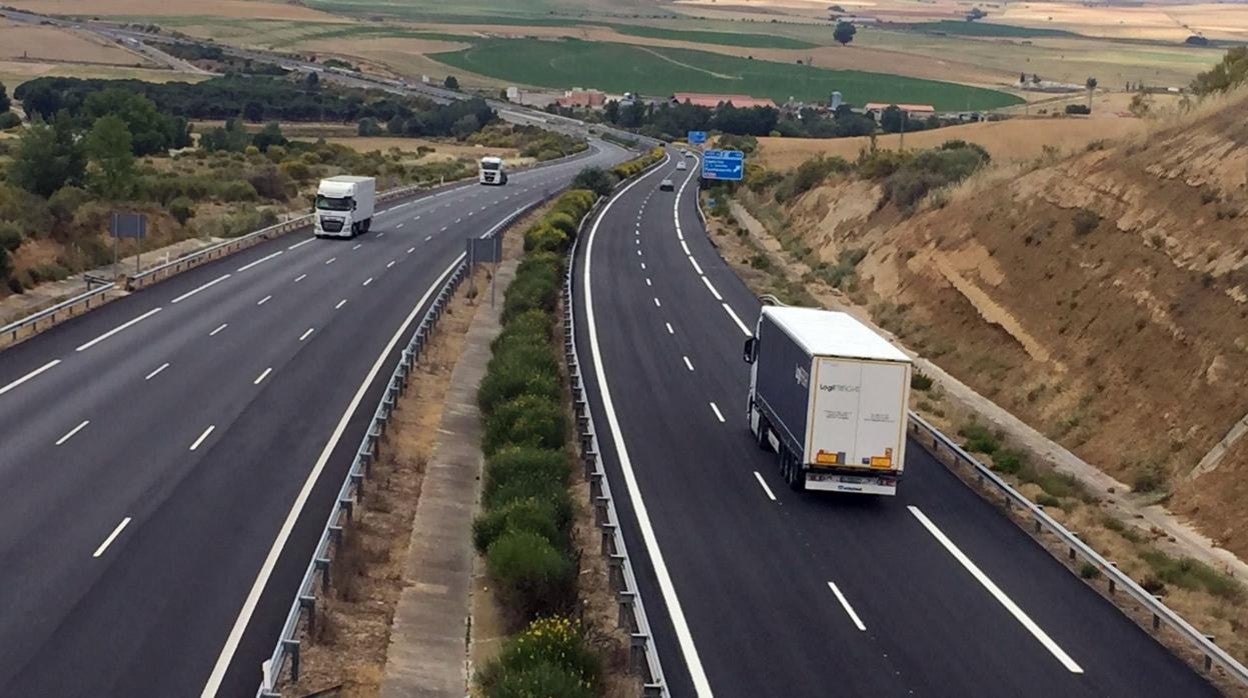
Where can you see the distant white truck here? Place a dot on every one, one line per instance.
(344, 206)
(830, 396)
(491, 171)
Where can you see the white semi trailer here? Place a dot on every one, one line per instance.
(830, 396)
(344, 206)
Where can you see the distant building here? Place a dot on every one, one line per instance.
(875, 109)
(835, 101)
(712, 100)
(576, 97)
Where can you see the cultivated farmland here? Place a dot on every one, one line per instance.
(657, 71)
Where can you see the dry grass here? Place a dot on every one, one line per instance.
(353, 620)
(21, 41)
(1015, 139)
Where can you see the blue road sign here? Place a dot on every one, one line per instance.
(697, 137)
(723, 164)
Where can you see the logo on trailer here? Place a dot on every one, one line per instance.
(802, 376)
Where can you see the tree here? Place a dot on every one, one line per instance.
(451, 82)
(268, 136)
(594, 179)
(5, 103)
(892, 119)
(312, 82)
(1232, 71)
(611, 111)
(151, 132)
(844, 32)
(110, 152)
(41, 100)
(1090, 83)
(369, 127)
(48, 157)
(253, 112)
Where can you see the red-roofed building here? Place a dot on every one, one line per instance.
(577, 97)
(708, 100)
(877, 108)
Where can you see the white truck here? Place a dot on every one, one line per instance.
(830, 396)
(491, 171)
(344, 206)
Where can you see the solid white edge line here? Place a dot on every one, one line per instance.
(152, 375)
(718, 415)
(200, 440)
(305, 335)
(688, 363)
(266, 570)
(680, 625)
(222, 327)
(70, 434)
(300, 244)
(210, 284)
(744, 330)
(844, 602)
(766, 489)
(712, 289)
(111, 537)
(262, 376)
(996, 592)
(28, 376)
(262, 260)
(115, 330)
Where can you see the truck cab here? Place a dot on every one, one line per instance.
(344, 206)
(492, 172)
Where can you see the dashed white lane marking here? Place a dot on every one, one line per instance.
(996, 592)
(368, 281)
(192, 292)
(643, 266)
(300, 244)
(203, 436)
(696, 268)
(688, 363)
(718, 415)
(264, 300)
(153, 374)
(412, 249)
(262, 260)
(648, 281)
(331, 260)
(357, 246)
(669, 328)
(744, 330)
(443, 229)
(301, 277)
(763, 483)
(262, 376)
(398, 226)
(390, 264)
(70, 434)
(427, 238)
(222, 327)
(111, 537)
(712, 289)
(340, 303)
(841, 597)
(307, 334)
(28, 376)
(125, 325)
(657, 304)
(381, 235)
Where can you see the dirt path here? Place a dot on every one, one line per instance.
(660, 56)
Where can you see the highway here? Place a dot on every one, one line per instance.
(170, 458)
(756, 590)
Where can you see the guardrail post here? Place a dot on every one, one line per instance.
(292, 648)
(626, 600)
(322, 564)
(652, 690)
(589, 460)
(615, 571)
(600, 510)
(1072, 548)
(608, 538)
(637, 652)
(1112, 585)
(595, 486)
(1156, 618)
(308, 603)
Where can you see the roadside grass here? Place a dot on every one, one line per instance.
(369, 31)
(628, 68)
(961, 28)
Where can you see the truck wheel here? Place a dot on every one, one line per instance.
(366, 225)
(761, 436)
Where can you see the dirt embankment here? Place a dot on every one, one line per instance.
(1102, 298)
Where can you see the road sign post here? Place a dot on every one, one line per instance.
(128, 225)
(723, 165)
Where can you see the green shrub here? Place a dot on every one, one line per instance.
(182, 209)
(48, 272)
(9, 120)
(10, 236)
(535, 287)
(1089, 571)
(65, 201)
(237, 190)
(1048, 500)
(528, 420)
(809, 175)
(1193, 574)
(562, 222)
(6, 268)
(920, 381)
(520, 370)
(531, 576)
(555, 643)
(978, 438)
(532, 515)
(529, 327)
(1150, 476)
(1009, 461)
(543, 238)
(594, 179)
(536, 681)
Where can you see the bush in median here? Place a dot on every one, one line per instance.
(533, 577)
(532, 514)
(527, 328)
(551, 658)
(519, 370)
(529, 420)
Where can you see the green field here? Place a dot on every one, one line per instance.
(372, 31)
(716, 38)
(962, 28)
(625, 68)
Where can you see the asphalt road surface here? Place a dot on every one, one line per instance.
(756, 590)
(170, 459)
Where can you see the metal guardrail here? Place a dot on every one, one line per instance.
(29, 325)
(932, 439)
(352, 490)
(643, 653)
